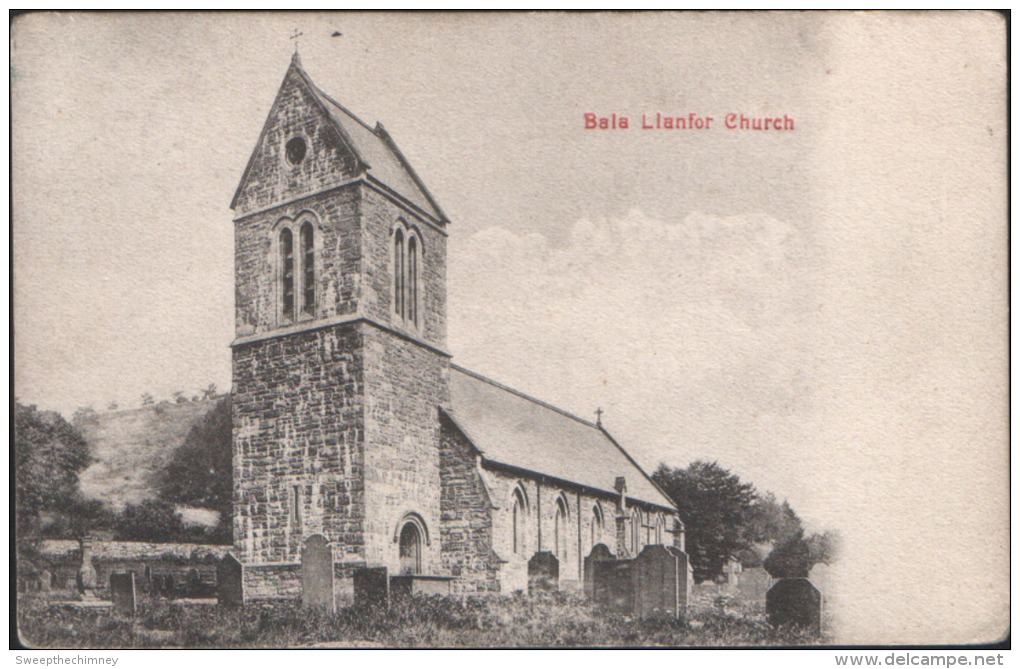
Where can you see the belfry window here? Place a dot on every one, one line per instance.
(407, 254)
(398, 273)
(308, 269)
(287, 273)
(297, 271)
(412, 280)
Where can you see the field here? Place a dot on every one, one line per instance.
(557, 620)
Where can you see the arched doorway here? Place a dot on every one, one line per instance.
(410, 549)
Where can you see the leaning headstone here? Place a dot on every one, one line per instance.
(123, 593)
(317, 579)
(230, 581)
(372, 588)
(543, 572)
(794, 602)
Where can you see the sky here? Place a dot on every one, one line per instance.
(822, 310)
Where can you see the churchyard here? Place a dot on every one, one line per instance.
(538, 620)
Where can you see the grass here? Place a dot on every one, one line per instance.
(556, 620)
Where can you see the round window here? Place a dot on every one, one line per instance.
(296, 150)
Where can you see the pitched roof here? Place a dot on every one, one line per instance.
(510, 428)
(374, 150)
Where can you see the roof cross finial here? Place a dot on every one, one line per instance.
(598, 416)
(295, 38)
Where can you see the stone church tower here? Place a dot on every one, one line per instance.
(339, 362)
(356, 441)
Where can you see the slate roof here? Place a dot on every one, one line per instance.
(374, 149)
(510, 428)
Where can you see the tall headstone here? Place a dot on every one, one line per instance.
(194, 587)
(87, 577)
(685, 576)
(317, 577)
(599, 553)
(372, 588)
(123, 593)
(230, 581)
(794, 602)
(543, 572)
(614, 585)
(659, 581)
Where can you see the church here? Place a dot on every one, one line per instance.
(352, 426)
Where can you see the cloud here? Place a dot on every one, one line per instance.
(695, 335)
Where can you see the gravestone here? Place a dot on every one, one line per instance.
(230, 581)
(754, 583)
(86, 578)
(614, 585)
(317, 578)
(169, 586)
(123, 593)
(543, 572)
(599, 553)
(194, 587)
(794, 602)
(659, 581)
(685, 576)
(45, 580)
(372, 588)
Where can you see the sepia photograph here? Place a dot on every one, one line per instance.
(510, 330)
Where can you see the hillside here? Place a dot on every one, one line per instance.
(131, 446)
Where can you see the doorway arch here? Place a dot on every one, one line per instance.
(410, 549)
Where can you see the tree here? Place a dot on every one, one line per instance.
(824, 547)
(148, 399)
(210, 392)
(50, 453)
(179, 397)
(151, 520)
(715, 507)
(200, 471)
(770, 523)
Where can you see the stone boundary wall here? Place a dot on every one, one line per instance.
(191, 566)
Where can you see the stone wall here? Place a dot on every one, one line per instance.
(380, 215)
(405, 383)
(188, 564)
(466, 528)
(338, 259)
(271, 178)
(299, 424)
(581, 530)
(283, 581)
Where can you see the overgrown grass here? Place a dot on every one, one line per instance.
(557, 620)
